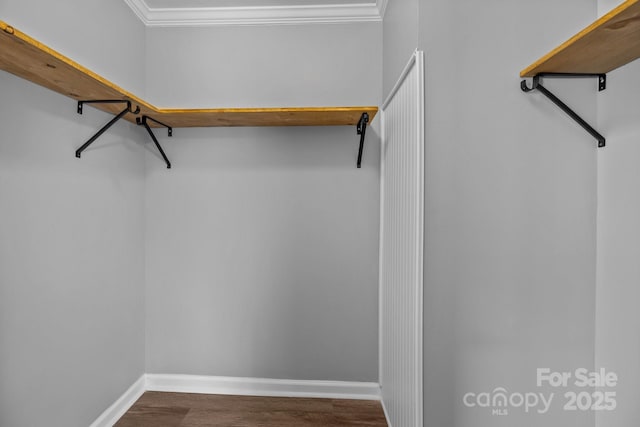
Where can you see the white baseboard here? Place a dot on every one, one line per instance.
(120, 406)
(263, 387)
(386, 414)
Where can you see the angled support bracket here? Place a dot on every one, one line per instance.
(602, 85)
(108, 125)
(362, 130)
(143, 122)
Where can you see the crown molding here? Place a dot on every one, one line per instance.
(139, 7)
(258, 15)
(382, 7)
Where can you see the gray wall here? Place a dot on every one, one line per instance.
(618, 317)
(512, 289)
(71, 231)
(510, 207)
(400, 30)
(262, 243)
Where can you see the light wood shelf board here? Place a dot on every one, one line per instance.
(320, 116)
(25, 57)
(610, 42)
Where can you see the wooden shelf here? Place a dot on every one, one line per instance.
(310, 116)
(29, 59)
(610, 42)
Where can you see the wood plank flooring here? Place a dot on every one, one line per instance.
(156, 409)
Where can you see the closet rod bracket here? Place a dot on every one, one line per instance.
(120, 115)
(536, 84)
(107, 101)
(361, 129)
(142, 121)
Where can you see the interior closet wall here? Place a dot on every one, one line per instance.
(510, 215)
(71, 230)
(618, 319)
(400, 40)
(262, 256)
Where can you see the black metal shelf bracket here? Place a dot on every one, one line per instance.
(362, 130)
(143, 122)
(108, 125)
(536, 84)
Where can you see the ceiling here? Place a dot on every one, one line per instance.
(254, 12)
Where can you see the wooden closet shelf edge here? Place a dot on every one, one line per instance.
(609, 43)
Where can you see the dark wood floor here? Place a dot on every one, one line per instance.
(156, 409)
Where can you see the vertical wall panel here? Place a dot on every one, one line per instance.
(401, 247)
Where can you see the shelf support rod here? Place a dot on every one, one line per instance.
(108, 125)
(362, 130)
(143, 122)
(602, 84)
